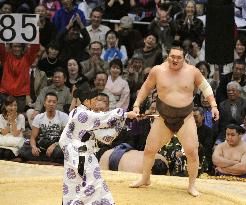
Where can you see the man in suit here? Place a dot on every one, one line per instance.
(38, 80)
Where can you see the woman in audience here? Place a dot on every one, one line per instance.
(240, 46)
(74, 73)
(117, 85)
(113, 48)
(12, 124)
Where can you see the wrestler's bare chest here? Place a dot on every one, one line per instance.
(179, 81)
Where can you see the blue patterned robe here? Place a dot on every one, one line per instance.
(89, 189)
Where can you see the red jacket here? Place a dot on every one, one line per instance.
(15, 78)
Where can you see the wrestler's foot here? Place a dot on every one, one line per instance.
(193, 191)
(139, 183)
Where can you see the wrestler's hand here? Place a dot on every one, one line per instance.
(136, 110)
(35, 151)
(215, 113)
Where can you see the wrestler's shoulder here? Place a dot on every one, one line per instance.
(162, 66)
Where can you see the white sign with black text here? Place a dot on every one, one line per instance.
(19, 28)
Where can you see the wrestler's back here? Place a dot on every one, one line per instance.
(175, 88)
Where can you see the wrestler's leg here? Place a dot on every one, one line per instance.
(188, 138)
(158, 136)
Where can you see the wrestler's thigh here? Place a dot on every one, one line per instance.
(187, 135)
(158, 136)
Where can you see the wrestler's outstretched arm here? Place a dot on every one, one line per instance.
(145, 90)
(207, 92)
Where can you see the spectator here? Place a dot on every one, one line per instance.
(16, 63)
(189, 26)
(74, 74)
(58, 87)
(47, 30)
(100, 81)
(229, 157)
(46, 130)
(237, 74)
(6, 7)
(50, 60)
(97, 30)
(152, 53)
(205, 138)
(241, 4)
(51, 6)
(232, 109)
(165, 28)
(240, 46)
(73, 40)
(38, 80)
(68, 12)
(117, 85)
(94, 64)
(12, 125)
(128, 36)
(116, 9)
(113, 48)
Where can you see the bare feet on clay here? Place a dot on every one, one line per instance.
(193, 191)
(139, 183)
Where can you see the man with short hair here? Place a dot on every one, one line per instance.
(94, 64)
(46, 130)
(175, 81)
(229, 157)
(58, 87)
(99, 83)
(96, 30)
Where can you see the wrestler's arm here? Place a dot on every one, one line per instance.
(146, 88)
(207, 92)
(237, 169)
(219, 160)
(205, 87)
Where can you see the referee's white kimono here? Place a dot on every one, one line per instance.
(89, 189)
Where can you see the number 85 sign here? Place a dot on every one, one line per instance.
(19, 28)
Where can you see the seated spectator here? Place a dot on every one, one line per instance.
(189, 26)
(117, 85)
(6, 7)
(194, 54)
(99, 86)
(16, 62)
(74, 74)
(97, 30)
(232, 109)
(94, 64)
(229, 157)
(124, 158)
(152, 53)
(46, 130)
(240, 46)
(164, 27)
(205, 138)
(64, 15)
(113, 48)
(50, 61)
(58, 87)
(51, 6)
(73, 40)
(47, 30)
(38, 80)
(131, 38)
(237, 74)
(12, 125)
(242, 5)
(115, 9)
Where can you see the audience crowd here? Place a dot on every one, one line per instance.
(40, 83)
